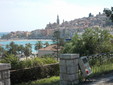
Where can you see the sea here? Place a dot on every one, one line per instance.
(23, 42)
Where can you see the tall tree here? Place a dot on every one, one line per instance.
(38, 45)
(56, 39)
(47, 44)
(92, 41)
(20, 49)
(90, 15)
(1, 50)
(12, 48)
(28, 50)
(109, 13)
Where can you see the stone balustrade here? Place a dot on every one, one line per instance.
(69, 69)
(5, 74)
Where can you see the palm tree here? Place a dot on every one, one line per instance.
(21, 49)
(1, 50)
(28, 50)
(47, 44)
(12, 48)
(38, 45)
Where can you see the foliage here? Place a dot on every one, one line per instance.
(27, 50)
(98, 68)
(1, 50)
(20, 49)
(90, 15)
(57, 39)
(27, 63)
(92, 41)
(38, 45)
(13, 60)
(47, 44)
(16, 49)
(12, 48)
(109, 13)
(56, 36)
(30, 74)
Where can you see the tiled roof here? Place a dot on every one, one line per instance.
(50, 48)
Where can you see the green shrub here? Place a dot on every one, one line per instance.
(25, 75)
(13, 60)
(27, 63)
(49, 60)
(37, 61)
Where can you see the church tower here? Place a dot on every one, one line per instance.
(58, 21)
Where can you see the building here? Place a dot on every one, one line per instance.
(50, 50)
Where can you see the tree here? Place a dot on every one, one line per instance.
(38, 45)
(90, 15)
(47, 44)
(56, 39)
(20, 49)
(109, 13)
(92, 41)
(28, 50)
(12, 48)
(1, 50)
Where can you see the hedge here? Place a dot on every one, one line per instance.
(25, 75)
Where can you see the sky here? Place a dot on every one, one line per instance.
(28, 15)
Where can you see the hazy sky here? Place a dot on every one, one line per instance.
(27, 15)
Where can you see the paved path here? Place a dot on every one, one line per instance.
(106, 79)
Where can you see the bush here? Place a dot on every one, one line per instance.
(92, 41)
(25, 75)
(14, 61)
(27, 63)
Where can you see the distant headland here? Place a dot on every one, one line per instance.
(67, 28)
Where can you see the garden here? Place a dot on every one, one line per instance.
(95, 43)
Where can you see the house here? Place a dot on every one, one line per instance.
(50, 50)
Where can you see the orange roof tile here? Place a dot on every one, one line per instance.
(50, 47)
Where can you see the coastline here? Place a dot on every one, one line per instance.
(25, 40)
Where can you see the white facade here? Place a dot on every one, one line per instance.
(46, 52)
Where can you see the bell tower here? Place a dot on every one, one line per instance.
(58, 21)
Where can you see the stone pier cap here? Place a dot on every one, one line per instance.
(69, 56)
(5, 66)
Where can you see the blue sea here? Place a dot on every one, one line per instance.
(33, 42)
(22, 42)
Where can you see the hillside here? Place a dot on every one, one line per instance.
(99, 20)
(66, 28)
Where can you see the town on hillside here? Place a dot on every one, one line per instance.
(67, 28)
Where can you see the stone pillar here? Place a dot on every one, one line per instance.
(5, 74)
(69, 69)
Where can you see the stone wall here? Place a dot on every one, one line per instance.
(69, 69)
(5, 74)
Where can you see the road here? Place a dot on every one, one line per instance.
(106, 79)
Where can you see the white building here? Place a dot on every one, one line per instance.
(50, 50)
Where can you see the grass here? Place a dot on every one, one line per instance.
(47, 81)
(102, 69)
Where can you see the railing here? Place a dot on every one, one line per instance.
(101, 63)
